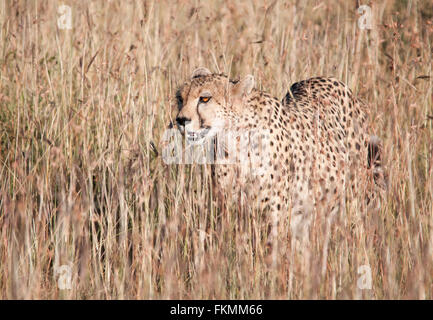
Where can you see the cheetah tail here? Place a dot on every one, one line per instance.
(375, 161)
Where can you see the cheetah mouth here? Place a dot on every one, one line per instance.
(199, 136)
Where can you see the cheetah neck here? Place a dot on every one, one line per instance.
(260, 108)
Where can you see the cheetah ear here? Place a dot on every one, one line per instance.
(243, 87)
(199, 72)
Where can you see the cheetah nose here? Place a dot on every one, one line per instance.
(182, 121)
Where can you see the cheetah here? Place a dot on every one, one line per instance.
(318, 147)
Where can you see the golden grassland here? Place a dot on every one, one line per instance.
(82, 187)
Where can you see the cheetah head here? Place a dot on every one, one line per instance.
(209, 103)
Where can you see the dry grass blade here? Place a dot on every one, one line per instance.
(88, 208)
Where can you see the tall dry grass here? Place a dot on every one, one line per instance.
(82, 187)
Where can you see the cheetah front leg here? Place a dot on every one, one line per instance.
(273, 240)
(283, 218)
(293, 215)
(282, 223)
(301, 217)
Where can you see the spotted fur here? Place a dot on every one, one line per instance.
(318, 148)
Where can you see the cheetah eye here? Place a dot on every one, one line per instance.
(204, 99)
